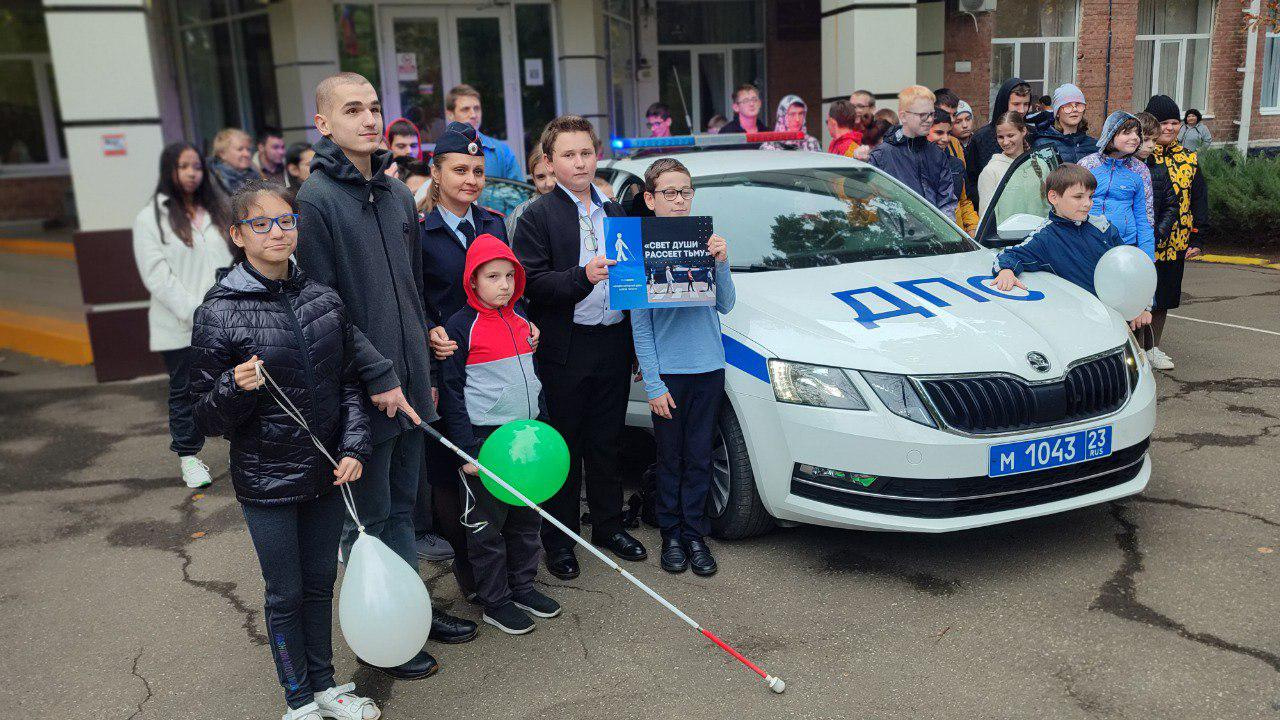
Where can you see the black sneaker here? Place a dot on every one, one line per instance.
(537, 603)
(509, 619)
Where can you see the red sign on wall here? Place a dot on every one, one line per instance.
(114, 144)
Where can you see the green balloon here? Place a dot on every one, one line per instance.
(530, 456)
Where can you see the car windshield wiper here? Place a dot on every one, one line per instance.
(753, 267)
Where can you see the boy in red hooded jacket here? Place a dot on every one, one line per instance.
(491, 380)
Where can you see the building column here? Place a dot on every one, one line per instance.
(113, 136)
(304, 45)
(581, 57)
(867, 46)
(931, 20)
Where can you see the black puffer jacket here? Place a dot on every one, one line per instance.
(1164, 201)
(300, 331)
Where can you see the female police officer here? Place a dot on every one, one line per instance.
(457, 179)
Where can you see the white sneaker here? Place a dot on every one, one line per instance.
(341, 702)
(1160, 360)
(310, 711)
(195, 473)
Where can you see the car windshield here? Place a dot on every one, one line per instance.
(504, 195)
(809, 217)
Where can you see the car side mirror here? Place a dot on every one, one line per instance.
(1019, 226)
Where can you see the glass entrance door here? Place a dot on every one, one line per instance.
(427, 51)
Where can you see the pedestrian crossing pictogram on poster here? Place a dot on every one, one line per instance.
(662, 262)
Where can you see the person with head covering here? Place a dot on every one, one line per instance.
(445, 233)
(1192, 215)
(1068, 133)
(791, 115)
(1015, 95)
(1124, 195)
(962, 124)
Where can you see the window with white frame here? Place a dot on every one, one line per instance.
(706, 49)
(1035, 41)
(1271, 72)
(31, 139)
(1171, 52)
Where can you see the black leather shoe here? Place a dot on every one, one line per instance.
(563, 564)
(674, 559)
(422, 665)
(451, 630)
(701, 559)
(623, 545)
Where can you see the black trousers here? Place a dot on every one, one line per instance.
(439, 506)
(587, 403)
(684, 454)
(184, 438)
(297, 547)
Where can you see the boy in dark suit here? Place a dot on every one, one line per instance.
(585, 351)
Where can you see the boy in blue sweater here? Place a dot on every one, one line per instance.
(682, 364)
(1070, 243)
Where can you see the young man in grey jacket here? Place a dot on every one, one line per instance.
(359, 235)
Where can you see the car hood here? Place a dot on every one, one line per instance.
(800, 315)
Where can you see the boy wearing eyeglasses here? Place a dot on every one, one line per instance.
(682, 365)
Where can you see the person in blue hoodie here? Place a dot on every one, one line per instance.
(1124, 193)
(681, 360)
(1069, 244)
(1068, 130)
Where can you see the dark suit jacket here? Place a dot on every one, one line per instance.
(548, 243)
(444, 259)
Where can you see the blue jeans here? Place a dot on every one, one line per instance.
(297, 548)
(386, 493)
(184, 438)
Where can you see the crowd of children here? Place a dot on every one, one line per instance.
(405, 293)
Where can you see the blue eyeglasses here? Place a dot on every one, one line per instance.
(262, 225)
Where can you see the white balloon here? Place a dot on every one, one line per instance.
(384, 609)
(1125, 279)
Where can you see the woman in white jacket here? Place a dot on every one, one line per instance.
(179, 243)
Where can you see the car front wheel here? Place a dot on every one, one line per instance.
(733, 505)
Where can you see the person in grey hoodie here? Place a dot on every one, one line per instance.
(361, 235)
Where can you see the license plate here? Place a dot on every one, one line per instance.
(1031, 455)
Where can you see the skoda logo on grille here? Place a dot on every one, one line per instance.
(1038, 361)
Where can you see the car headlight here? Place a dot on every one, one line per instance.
(1134, 359)
(900, 396)
(816, 385)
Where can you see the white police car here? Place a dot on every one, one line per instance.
(876, 381)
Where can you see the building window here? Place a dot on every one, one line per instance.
(227, 71)
(536, 50)
(1271, 72)
(358, 41)
(1034, 41)
(1171, 52)
(705, 50)
(620, 54)
(30, 125)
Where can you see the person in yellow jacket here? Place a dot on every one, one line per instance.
(940, 135)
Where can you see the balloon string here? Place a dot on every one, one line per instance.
(295, 414)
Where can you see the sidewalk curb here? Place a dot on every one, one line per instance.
(47, 248)
(1237, 260)
(63, 341)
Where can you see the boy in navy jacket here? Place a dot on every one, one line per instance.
(488, 381)
(1070, 243)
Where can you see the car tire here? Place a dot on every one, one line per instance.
(736, 511)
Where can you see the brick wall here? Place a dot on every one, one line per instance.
(965, 43)
(1091, 58)
(1227, 53)
(33, 198)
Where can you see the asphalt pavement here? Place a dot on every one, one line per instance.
(126, 596)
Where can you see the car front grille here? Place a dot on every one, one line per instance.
(990, 404)
(960, 497)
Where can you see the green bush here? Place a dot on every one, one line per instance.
(1244, 197)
